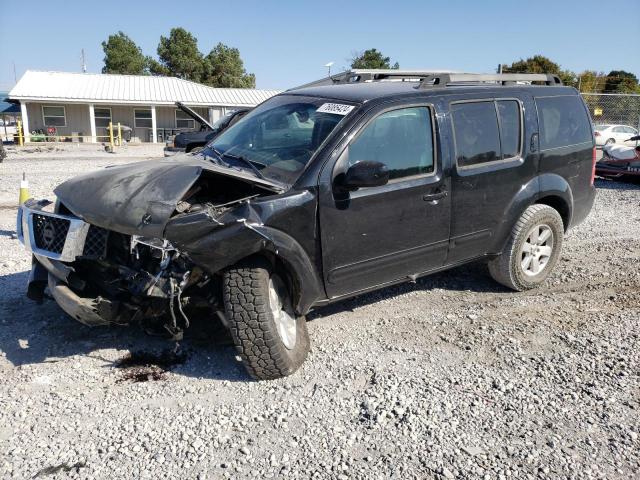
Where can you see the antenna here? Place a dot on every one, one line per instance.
(84, 61)
(329, 65)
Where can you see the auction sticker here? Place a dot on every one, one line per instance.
(335, 108)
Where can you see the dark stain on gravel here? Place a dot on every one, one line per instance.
(143, 366)
(63, 467)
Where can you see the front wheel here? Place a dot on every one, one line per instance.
(532, 251)
(271, 339)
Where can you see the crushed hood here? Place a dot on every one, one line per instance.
(139, 198)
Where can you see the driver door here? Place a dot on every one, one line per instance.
(376, 235)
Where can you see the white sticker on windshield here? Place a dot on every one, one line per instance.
(335, 108)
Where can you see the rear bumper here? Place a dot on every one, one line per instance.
(607, 170)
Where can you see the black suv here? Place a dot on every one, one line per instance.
(319, 194)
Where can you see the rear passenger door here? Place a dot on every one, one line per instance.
(491, 163)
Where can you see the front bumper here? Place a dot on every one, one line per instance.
(54, 239)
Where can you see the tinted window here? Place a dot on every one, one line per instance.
(509, 114)
(563, 121)
(476, 133)
(401, 139)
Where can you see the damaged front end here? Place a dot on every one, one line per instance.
(103, 253)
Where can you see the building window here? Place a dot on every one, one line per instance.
(142, 118)
(184, 121)
(103, 117)
(54, 116)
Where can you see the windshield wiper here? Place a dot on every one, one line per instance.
(218, 159)
(249, 163)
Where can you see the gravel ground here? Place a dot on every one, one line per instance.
(451, 377)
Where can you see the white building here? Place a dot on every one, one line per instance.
(83, 104)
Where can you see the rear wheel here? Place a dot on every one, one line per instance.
(532, 251)
(271, 339)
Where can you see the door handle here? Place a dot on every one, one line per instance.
(433, 198)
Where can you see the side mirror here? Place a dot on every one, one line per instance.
(365, 174)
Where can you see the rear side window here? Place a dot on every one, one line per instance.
(563, 122)
(509, 116)
(486, 131)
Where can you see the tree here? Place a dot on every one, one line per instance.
(619, 81)
(541, 64)
(179, 56)
(225, 69)
(591, 81)
(122, 55)
(372, 58)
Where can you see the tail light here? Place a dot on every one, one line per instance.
(593, 166)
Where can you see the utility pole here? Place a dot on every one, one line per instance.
(84, 63)
(15, 77)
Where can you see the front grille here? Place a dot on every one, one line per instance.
(50, 233)
(95, 245)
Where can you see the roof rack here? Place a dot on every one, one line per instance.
(375, 75)
(446, 79)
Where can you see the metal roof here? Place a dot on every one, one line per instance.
(129, 89)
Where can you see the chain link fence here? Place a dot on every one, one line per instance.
(614, 108)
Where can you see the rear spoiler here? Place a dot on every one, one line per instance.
(193, 115)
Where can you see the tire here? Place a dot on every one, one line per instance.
(611, 141)
(526, 263)
(252, 291)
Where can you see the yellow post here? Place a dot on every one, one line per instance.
(119, 135)
(111, 135)
(24, 190)
(19, 130)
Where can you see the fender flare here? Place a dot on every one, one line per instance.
(226, 246)
(547, 185)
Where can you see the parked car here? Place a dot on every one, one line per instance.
(610, 134)
(186, 142)
(317, 195)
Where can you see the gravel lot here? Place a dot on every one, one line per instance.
(452, 377)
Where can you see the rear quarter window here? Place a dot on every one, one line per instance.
(563, 122)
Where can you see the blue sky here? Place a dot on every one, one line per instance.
(287, 43)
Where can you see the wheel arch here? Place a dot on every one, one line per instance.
(241, 241)
(547, 189)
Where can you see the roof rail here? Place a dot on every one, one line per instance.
(374, 75)
(445, 79)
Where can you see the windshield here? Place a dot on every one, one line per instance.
(279, 137)
(222, 121)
